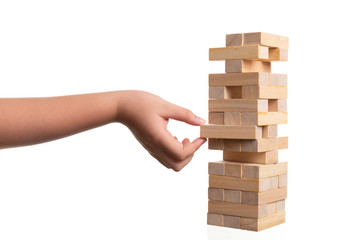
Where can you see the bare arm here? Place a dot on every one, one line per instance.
(27, 121)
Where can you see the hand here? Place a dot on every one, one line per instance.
(147, 116)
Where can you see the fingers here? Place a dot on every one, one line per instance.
(185, 141)
(191, 148)
(182, 114)
(178, 155)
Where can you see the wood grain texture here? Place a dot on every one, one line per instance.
(254, 52)
(232, 145)
(216, 194)
(238, 105)
(243, 184)
(259, 198)
(282, 142)
(232, 196)
(263, 118)
(234, 39)
(264, 92)
(283, 180)
(243, 145)
(238, 79)
(277, 54)
(259, 145)
(217, 92)
(231, 221)
(232, 118)
(266, 39)
(241, 210)
(233, 169)
(215, 219)
(237, 209)
(269, 131)
(252, 157)
(263, 171)
(216, 118)
(254, 224)
(277, 105)
(230, 132)
(217, 168)
(246, 66)
(280, 206)
(215, 144)
(276, 79)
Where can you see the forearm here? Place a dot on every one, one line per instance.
(26, 121)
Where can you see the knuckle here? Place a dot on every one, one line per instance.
(188, 114)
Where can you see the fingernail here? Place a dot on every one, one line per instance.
(200, 120)
(201, 140)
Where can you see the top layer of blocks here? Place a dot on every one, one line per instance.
(252, 46)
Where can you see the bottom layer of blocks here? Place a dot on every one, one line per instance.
(253, 224)
(247, 196)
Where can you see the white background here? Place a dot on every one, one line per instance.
(102, 184)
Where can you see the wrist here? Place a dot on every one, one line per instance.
(123, 106)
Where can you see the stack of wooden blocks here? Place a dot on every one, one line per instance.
(247, 190)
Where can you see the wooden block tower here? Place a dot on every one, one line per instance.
(247, 190)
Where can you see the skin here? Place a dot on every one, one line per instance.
(28, 121)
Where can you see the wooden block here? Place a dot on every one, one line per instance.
(217, 92)
(252, 157)
(277, 54)
(270, 196)
(263, 118)
(238, 105)
(282, 142)
(263, 171)
(238, 79)
(234, 39)
(232, 145)
(215, 144)
(253, 145)
(253, 185)
(233, 92)
(233, 169)
(273, 182)
(264, 92)
(283, 180)
(277, 105)
(277, 79)
(232, 118)
(255, 52)
(269, 131)
(215, 219)
(231, 221)
(216, 194)
(217, 168)
(259, 145)
(254, 224)
(230, 132)
(266, 39)
(232, 195)
(246, 66)
(238, 209)
(242, 184)
(216, 118)
(271, 208)
(280, 206)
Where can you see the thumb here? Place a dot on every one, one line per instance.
(182, 114)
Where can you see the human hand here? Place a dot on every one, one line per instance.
(147, 116)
